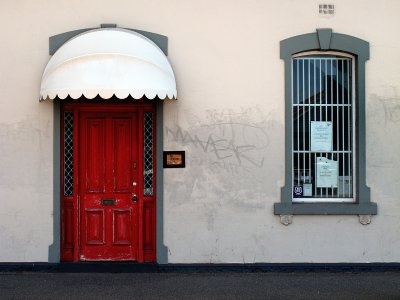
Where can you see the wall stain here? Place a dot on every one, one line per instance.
(230, 155)
(24, 152)
(385, 107)
(383, 146)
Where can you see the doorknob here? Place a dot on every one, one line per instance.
(134, 198)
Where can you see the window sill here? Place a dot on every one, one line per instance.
(290, 208)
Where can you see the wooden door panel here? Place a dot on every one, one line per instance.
(68, 230)
(95, 230)
(122, 166)
(149, 221)
(122, 229)
(95, 155)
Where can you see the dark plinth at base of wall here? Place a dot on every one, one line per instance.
(131, 267)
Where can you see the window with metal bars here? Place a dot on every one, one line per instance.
(325, 132)
(322, 127)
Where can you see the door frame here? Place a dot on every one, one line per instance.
(69, 242)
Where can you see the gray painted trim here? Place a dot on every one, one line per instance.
(56, 41)
(108, 25)
(324, 208)
(161, 249)
(325, 39)
(54, 249)
(160, 40)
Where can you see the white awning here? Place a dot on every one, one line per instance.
(107, 62)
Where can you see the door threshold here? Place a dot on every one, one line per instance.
(107, 267)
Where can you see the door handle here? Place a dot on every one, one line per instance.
(134, 198)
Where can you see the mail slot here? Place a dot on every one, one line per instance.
(108, 201)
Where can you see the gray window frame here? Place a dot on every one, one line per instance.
(326, 40)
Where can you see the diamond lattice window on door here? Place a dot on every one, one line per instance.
(68, 153)
(148, 154)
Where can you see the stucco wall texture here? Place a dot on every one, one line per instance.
(229, 118)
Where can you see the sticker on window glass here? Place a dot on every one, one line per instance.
(297, 191)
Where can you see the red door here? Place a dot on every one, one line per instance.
(108, 182)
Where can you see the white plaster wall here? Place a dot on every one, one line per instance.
(229, 118)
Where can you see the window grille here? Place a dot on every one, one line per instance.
(322, 126)
(148, 154)
(68, 153)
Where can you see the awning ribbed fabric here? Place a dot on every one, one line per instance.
(107, 62)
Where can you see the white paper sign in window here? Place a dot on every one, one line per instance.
(327, 173)
(321, 136)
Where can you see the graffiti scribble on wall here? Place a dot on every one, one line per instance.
(231, 158)
(232, 141)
